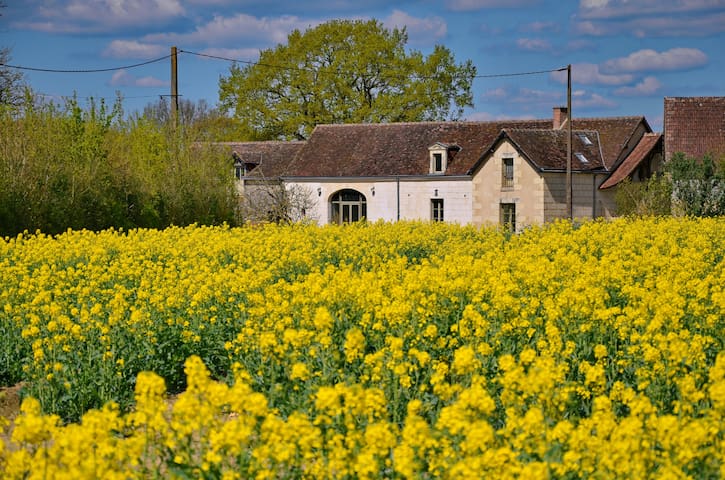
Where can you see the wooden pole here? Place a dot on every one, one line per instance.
(174, 89)
(569, 205)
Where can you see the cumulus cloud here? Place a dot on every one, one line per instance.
(122, 78)
(470, 5)
(533, 45)
(134, 49)
(221, 29)
(420, 30)
(590, 74)
(652, 61)
(648, 86)
(650, 17)
(81, 16)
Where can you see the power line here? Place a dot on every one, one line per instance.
(93, 70)
(249, 62)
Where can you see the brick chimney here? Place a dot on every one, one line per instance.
(559, 117)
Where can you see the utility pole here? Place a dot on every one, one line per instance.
(174, 89)
(569, 205)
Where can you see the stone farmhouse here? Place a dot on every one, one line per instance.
(509, 172)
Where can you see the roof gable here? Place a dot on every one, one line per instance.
(546, 150)
(644, 148)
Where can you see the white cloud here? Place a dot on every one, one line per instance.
(594, 100)
(122, 78)
(651, 61)
(220, 30)
(645, 18)
(82, 16)
(533, 45)
(134, 49)
(648, 86)
(608, 9)
(469, 5)
(590, 74)
(420, 30)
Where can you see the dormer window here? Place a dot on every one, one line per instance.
(438, 158)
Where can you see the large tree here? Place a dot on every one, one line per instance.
(344, 71)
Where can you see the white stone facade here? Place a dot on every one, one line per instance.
(393, 198)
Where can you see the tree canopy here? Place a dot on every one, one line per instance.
(344, 71)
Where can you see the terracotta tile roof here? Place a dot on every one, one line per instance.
(352, 150)
(646, 145)
(265, 159)
(614, 134)
(547, 149)
(389, 149)
(694, 126)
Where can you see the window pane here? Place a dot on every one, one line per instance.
(507, 172)
(355, 212)
(508, 216)
(436, 205)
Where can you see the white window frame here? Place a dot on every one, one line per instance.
(442, 150)
(437, 210)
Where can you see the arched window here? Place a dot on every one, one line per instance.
(347, 206)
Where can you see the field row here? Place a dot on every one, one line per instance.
(370, 350)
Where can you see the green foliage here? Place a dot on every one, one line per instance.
(64, 166)
(11, 81)
(698, 185)
(344, 71)
(650, 198)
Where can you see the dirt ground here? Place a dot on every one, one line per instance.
(9, 404)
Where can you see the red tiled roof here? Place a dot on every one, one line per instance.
(614, 134)
(270, 159)
(354, 150)
(694, 126)
(646, 145)
(547, 149)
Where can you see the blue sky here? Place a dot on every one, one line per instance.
(626, 55)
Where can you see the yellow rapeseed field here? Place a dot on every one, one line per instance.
(407, 350)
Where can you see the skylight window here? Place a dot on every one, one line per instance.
(585, 140)
(581, 157)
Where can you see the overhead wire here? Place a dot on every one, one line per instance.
(234, 60)
(283, 67)
(89, 70)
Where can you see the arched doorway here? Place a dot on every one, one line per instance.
(347, 206)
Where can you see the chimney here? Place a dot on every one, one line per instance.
(559, 117)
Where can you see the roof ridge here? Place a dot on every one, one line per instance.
(441, 122)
